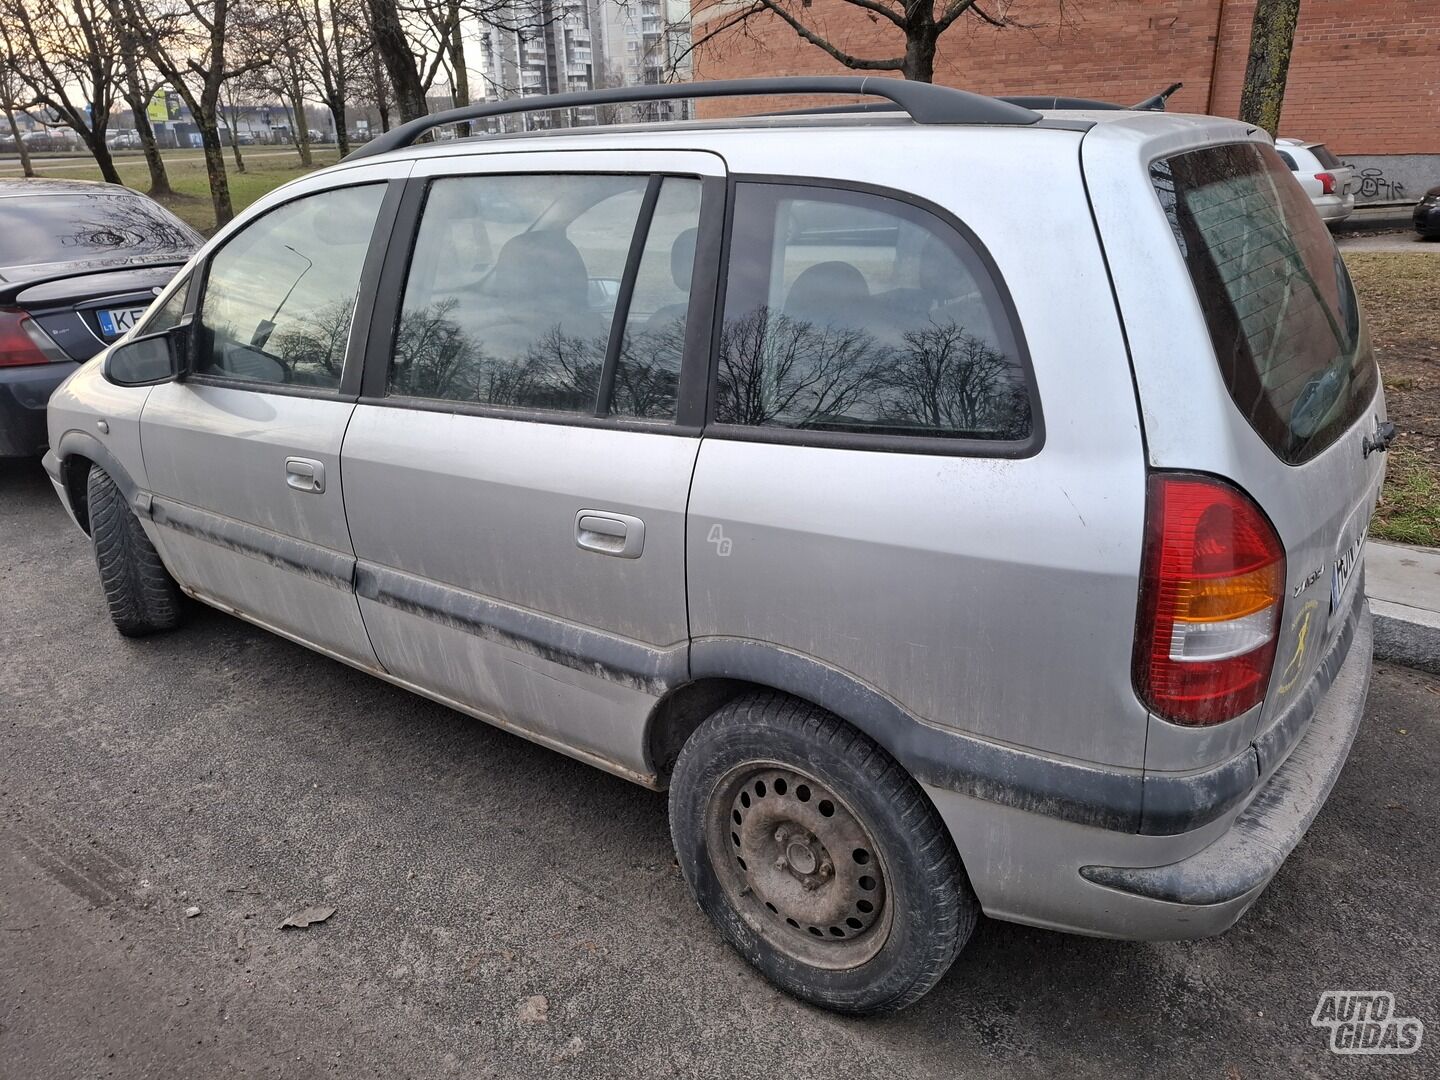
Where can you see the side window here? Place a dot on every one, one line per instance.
(1290, 161)
(280, 295)
(167, 314)
(647, 371)
(512, 289)
(852, 312)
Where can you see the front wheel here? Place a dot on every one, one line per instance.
(142, 596)
(817, 856)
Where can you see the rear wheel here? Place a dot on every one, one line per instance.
(142, 596)
(817, 856)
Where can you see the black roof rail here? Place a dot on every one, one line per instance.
(1154, 103)
(1046, 101)
(926, 103)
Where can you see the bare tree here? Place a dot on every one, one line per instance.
(392, 45)
(914, 26)
(186, 41)
(137, 91)
(283, 66)
(11, 90)
(332, 36)
(65, 55)
(1272, 37)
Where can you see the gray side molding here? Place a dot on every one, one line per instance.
(1089, 795)
(332, 568)
(582, 648)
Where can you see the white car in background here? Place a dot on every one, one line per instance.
(1328, 181)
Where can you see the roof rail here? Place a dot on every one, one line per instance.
(1047, 101)
(1154, 103)
(926, 103)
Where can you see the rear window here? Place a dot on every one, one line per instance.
(1277, 299)
(67, 228)
(1325, 157)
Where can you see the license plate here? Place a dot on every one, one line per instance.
(116, 321)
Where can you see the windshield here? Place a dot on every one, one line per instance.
(1278, 302)
(82, 226)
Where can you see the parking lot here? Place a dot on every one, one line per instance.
(223, 769)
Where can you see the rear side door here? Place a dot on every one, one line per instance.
(518, 466)
(244, 454)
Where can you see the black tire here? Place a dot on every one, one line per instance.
(142, 596)
(924, 909)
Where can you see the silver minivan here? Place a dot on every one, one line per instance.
(944, 546)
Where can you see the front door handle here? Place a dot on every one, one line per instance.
(620, 535)
(305, 474)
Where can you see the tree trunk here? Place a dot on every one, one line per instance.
(341, 82)
(920, 53)
(460, 78)
(159, 178)
(138, 102)
(235, 142)
(394, 49)
(1272, 36)
(95, 140)
(215, 168)
(25, 166)
(342, 136)
(302, 127)
(382, 99)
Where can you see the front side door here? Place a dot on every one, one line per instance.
(244, 454)
(518, 466)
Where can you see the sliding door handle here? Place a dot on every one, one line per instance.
(601, 531)
(305, 474)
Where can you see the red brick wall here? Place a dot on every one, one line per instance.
(1364, 76)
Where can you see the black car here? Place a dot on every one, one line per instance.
(79, 263)
(1427, 214)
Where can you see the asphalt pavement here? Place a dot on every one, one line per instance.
(223, 769)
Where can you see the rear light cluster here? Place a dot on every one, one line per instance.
(23, 342)
(1212, 586)
(1327, 182)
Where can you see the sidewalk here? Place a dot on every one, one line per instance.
(1403, 584)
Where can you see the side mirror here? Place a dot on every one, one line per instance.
(154, 358)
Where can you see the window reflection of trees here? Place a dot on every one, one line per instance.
(127, 227)
(436, 358)
(937, 378)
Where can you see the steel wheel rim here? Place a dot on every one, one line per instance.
(798, 865)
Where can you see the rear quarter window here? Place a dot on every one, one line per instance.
(1281, 311)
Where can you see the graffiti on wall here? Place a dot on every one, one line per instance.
(1372, 186)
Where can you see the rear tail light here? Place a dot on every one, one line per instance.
(1212, 586)
(1327, 183)
(23, 342)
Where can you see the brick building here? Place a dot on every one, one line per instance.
(1364, 75)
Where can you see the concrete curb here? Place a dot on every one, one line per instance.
(1406, 635)
(1383, 217)
(1403, 584)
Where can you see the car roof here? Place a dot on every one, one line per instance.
(774, 135)
(41, 185)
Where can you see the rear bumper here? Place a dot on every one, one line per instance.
(1028, 868)
(24, 392)
(1332, 208)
